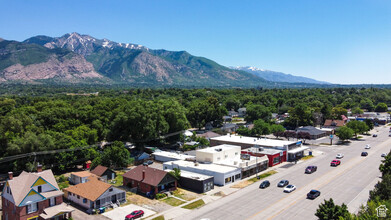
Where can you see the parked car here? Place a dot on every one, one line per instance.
(339, 156)
(283, 183)
(264, 184)
(313, 194)
(389, 135)
(289, 188)
(383, 155)
(149, 162)
(367, 146)
(335, 163)
(135, 214)
(311, 169)
(364, 154)
(374, 135)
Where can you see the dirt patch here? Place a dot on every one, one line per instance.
(140, 200)
(219, 194)
(242, 184)
(185, 194)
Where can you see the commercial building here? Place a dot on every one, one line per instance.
(195, 182)
(230, 155)
(294, 149)
(164, 156)
(222, 175)
(275, 156)
(313, 132)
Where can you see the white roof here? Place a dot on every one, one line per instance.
(326, 129)
(222, 146)
(192, 175)
(252, 140)
(203, 166)
(172, 155)
(237, 162)
(296, 150)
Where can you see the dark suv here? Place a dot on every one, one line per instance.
(313, 194)
(311, 169)
(364, 154)
(264, 184)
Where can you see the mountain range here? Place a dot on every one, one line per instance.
(76, 58)
(278, 76)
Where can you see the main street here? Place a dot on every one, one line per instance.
(348, 183)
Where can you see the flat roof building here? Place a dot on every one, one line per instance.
(165, 156)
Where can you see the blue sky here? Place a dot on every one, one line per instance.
(339, 41)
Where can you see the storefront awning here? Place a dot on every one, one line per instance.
(56, 210)
(296, 150)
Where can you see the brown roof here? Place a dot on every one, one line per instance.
(21, 185)
(209, 134)
(334, 123)
(90, 190)
(82, 173)
(99, 170)
(152, 176)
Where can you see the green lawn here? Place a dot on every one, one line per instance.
(159, 218)
(262, 176)
(195, 204)
(307, 157)
(173, 201)
(118, 179)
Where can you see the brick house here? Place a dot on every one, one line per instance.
(33, 196)
(149, 180)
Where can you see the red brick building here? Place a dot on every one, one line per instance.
(149, 180)
(275, 156)
(33, 196)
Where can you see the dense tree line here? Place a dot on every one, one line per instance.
(36, 119)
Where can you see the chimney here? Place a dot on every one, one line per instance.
(143, 174)
(10, 175)
(39, 168)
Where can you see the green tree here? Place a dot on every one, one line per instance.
(114, 156)
(277, 130)
(176, 173)
(337, 112)
(255, 112)
(260, 127)
(381, 107)
(357, 127)
(300, 115)
(385, 166)
(243, 131)
(344, 133)
(369, 123)
(367, 104)
(330, 211)
(382, 190)
(357, 110)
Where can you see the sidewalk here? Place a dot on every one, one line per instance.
(210, 195)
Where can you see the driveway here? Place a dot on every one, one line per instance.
(120, 212)
(79, 214)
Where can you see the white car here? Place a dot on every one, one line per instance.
(339, 156)
(367, 146)
(289, 188)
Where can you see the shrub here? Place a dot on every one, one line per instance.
(160, 196)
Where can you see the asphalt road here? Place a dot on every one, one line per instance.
(348, 183)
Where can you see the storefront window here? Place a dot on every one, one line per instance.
(276, 160)
(227, 180)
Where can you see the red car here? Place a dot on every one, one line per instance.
(335, 163)
(135, 214)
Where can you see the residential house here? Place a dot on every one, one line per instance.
(149, 180)
(94, 194)
(33, 196)
(208, 135)
(229, 127)
(233, 113)
(330, 123)
(242, 112)
(104, 172)
(80, 177)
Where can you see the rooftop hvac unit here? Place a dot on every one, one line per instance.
(260, 149)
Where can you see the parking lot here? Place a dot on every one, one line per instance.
(121, 212)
